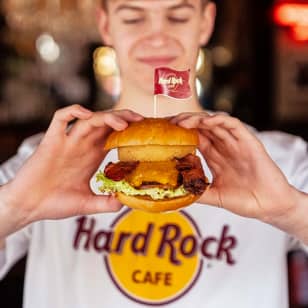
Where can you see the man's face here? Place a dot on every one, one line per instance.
(152, 33)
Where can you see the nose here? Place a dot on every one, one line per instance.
(157, 40)
(157, 32)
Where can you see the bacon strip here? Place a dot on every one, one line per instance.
(190, 168)
(118, 171)
(194, 181)
(188, 162)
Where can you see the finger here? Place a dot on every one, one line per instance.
(207, 134)
(98, 137)
(105, 121)
(222, 135)
(194, 121)
(118, 120)
(189, 119)
(191, 122)
(63, 116)
(210, 150)
(215, 163)
(180, 117)
(129, 115)
(100, 204)
(234, 125)
(204, 141)
(223, 140)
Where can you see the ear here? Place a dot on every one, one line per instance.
(103, 25)
(208, 22)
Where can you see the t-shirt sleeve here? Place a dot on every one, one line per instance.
(9, 168)
(299, 177)
(290, 153)
(16, 246)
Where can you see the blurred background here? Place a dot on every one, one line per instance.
(255, 68)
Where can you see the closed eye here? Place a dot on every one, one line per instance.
(178, 20)
(133, 21)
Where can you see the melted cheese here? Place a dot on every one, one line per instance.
(163, 172)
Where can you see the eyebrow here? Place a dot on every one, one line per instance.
(139, 9)
(182, 5)
(128, 7)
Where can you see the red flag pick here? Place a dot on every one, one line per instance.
(172, 83)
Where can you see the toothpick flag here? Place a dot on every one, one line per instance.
(172, 83)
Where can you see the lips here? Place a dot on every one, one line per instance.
(157, 61)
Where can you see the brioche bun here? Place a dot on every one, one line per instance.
(156, 206)
(154, 152)
(152, 131)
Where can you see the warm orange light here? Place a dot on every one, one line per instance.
(294, 16)
(300, 33)
(291, 14)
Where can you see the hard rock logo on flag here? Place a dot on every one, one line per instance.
(172, 83)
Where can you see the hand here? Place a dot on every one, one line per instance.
(245, 179)
(54, 182)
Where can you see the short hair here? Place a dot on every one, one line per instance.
(104, 3)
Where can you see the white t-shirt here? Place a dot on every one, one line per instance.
(201, 256)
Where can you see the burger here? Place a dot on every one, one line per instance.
(158, 169)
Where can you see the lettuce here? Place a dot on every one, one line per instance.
(110, 186)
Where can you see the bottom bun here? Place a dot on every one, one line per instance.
(156, 206)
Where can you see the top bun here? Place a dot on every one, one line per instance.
(152, 131)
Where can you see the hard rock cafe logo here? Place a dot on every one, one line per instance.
(154, 259)
(171, 81)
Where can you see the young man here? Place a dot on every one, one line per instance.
(201, 256)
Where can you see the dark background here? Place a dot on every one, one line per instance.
(253, 69)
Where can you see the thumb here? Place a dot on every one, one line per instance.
(101, 204)
(211, 196)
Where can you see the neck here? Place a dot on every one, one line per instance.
(143, 103)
